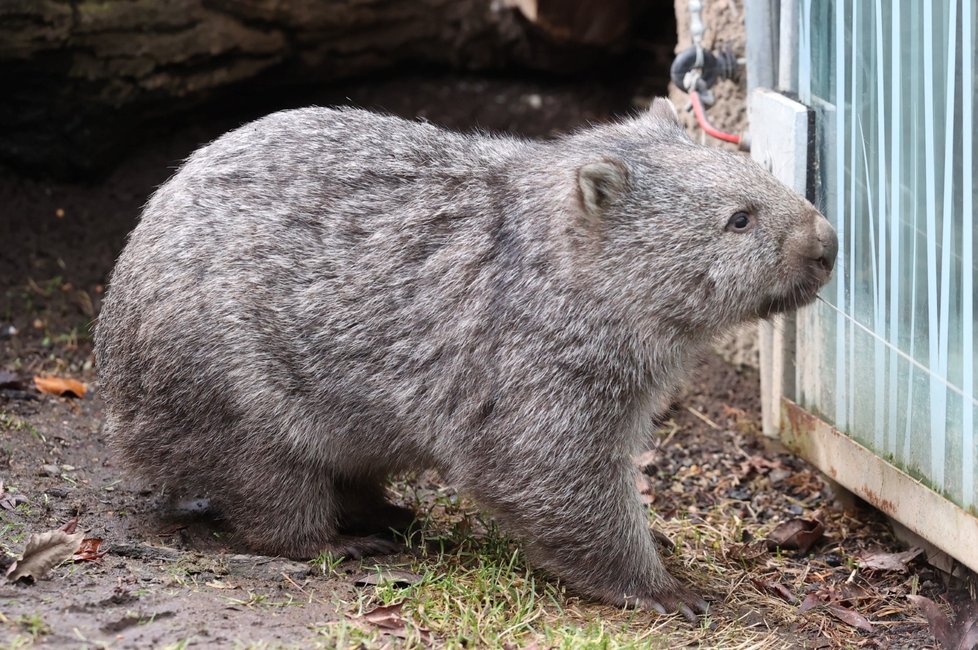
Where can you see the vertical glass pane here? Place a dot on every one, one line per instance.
(888, 353)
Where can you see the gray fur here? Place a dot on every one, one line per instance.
(321, 298)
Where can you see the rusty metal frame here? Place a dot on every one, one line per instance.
(888, 488)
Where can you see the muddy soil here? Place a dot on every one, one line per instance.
(172, 578)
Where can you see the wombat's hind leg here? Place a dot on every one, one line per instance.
(366, 511)
(295, 510)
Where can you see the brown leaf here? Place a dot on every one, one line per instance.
(44, 551)
(394, 577)
(882, 561)
(775, 589)
(759, 464)
(386, 616)
(747, 552)
(811, 601)
(962, 635)
(10, 501)
(89, 550)
(825, 598)
(61, 386)
(796, 534)
(70, 526)
(850, 617)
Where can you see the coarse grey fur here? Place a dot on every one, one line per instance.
(322, 297)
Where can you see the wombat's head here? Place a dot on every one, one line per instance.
(700, 237)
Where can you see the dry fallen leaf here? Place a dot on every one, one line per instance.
(61, 386)
(89, 550)
(775, 589)
(44, 551)
(759, 465)
(10, 501)
(962, 635)
(394, 577)
(796, 534)
(386, 616)
(811, 600)
(825, 598)
(888, 561)
(851, 617)
(748, 552)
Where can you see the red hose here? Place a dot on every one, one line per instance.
(704, 123)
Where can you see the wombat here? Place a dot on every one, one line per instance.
(322, 298)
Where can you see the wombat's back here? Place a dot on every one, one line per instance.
(294, 289)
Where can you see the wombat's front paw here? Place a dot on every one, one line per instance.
(674, 599)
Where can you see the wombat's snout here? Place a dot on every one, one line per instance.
(823, 244)
(826, 244)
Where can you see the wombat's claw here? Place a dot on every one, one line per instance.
(678, 599)
(356, 548)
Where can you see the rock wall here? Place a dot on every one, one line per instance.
(724, 23)
(80, 78)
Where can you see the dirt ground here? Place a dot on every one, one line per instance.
(174, 580)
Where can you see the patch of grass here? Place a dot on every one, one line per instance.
(10, 422)
(344, 634)
(13, 534)
(328, 563)
(480, 594)
(34, 625)
(17, 642)
(476, 590)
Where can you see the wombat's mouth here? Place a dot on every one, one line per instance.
(797, 296)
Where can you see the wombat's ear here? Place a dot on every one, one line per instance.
(662, 109)
(600, 182)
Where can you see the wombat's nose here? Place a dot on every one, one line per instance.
(828, 243)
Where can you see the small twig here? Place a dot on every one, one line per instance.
(293, 582)
(708, 421)
(672, 432)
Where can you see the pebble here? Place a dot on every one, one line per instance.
(49, 470)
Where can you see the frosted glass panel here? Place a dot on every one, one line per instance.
(888, 354)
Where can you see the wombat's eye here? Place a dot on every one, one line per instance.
(740, 222)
